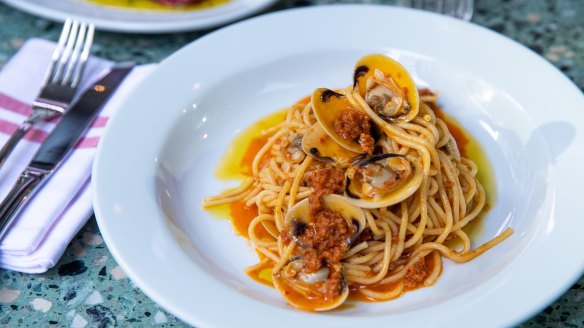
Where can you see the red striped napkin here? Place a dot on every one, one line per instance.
(45, 227)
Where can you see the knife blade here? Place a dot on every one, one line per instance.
(59, 143)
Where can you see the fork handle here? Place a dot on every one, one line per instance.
(16, 137)
(26, 186)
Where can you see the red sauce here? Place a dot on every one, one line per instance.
(355, 125)
(162, 5)
(176, 2)
(241, 217)
(460, 136)
(416, 275)
(429, 264)
(324, 181)
(262, 273)
(254, 147)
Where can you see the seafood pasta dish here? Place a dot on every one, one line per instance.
(164, 5)
(359, 193)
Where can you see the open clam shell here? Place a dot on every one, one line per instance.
(318, 144)
(387, 87)
(328, 105)
(298, 217)
(305, 291)
(382, 180)
(326, 288)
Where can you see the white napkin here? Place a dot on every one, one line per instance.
(38, 238)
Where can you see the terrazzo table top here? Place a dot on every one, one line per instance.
(88, 289)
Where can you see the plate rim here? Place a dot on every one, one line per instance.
(518, 318)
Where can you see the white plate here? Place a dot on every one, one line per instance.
(120, 19)
(156, 163)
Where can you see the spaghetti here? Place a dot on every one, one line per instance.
(357, 192)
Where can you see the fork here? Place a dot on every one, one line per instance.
(462, 9)
(61, 80)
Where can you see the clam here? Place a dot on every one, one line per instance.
(387, 88)
(345, 124)
(294, 152)
(299, 217)
(325, 287)
(308, 292)
(382, 180)
(317, 143)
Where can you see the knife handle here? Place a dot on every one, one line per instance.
(20, 193)
(14, 139)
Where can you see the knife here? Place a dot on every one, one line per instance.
(59, 143)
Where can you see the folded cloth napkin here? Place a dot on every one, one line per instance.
(42, 231)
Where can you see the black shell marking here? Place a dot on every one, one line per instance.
(359, 72)
(376, 132)
(376, 158)
(298, 228)
(326, 95)
(314, 152)
(348, 190)
(356, 235)
(295, 258)
(343, 281)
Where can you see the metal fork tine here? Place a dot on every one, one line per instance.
(58, 50)
(72, 65)
(66, 52)
(61, 80)
(84, 55)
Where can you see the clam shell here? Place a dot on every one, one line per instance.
(299, 214)
(365, 70)
(328, 105)
(318, 144)
(301, 296)
(301, 290)
(402, 191)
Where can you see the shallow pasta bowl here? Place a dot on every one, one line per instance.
(149, 179)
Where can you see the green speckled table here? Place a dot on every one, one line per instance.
(88, 288)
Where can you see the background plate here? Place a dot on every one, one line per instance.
(119, 19)
(150, 177)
